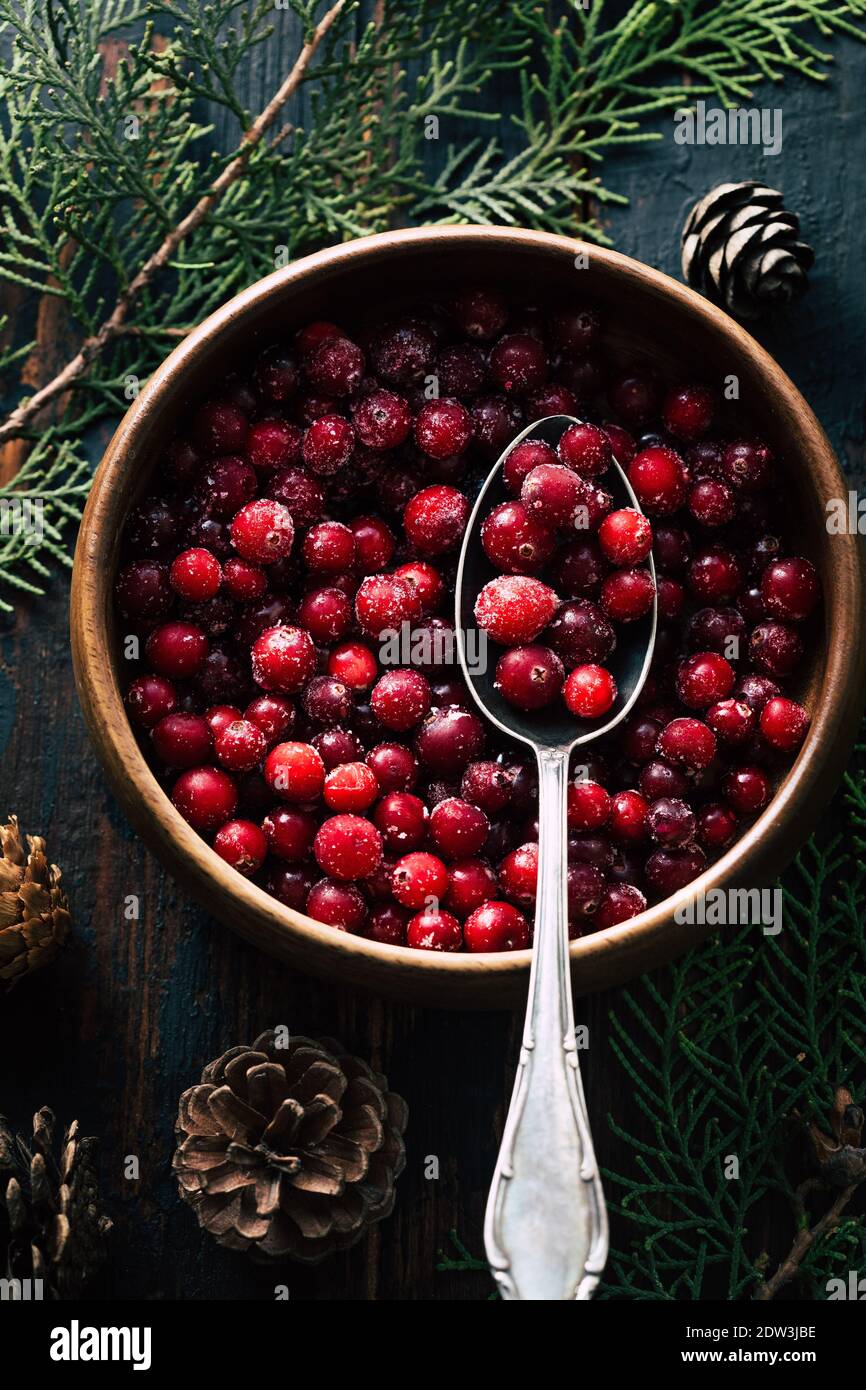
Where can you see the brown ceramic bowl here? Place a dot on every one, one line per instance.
(647, 315)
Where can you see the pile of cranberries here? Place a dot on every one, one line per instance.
(310, 510)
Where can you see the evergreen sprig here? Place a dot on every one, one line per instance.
(108, 111)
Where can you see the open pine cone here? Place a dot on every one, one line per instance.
(34, 912)
(51, 1225)
(741, 247)
(289, 1151)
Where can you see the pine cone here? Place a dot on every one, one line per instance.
(740, 246)
(289, 1151)
(34, 912)
(51, 1226)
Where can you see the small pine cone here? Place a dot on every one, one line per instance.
(741, 247)
(51, 1224)
(289, 1150)
(34, 912)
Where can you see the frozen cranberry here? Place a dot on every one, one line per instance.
(309, 338)
(589, 805)
(628, 813)
(638, 738)
(395, 766)
(659, 778)
(671, 548)
(461, 370)
(218, 717)
(226, 486)
(671, 822)
(670, 599)
(290, 884)
(625, 537)
(473, 882)
(404, 352)
(289, 833)
(149, 699)
(143, 590)
(669, 870)
(273, 444)
(176, 650)
(634, 396)
(273, 714)
(497, 926)
(336, 746)
(328, 701)
(263, 531)
(495, 421)
(589, 691)
(241, 844)
(688, 411)
(733, 721)
(784, 723)
(755, 691)
(718, 630)
(240, 746)
(687, 743)
(326, 614)
(195, 575)
(295, 771)
(529, 677)
(518, 874)
(627, 594)
(658, 476)
(182, 740)
(712, 503)
(328, 445)
(515, 608)
(443, 428)
(400, 699)
(382, 420)
(353, 664)
(387, 925)
(348, 847)
(575, 331)
(152, 527)
(747, 789)
(585, 449)
(448, 740)
(479, 311)
(301, 495)
(418, 878)
(717, 825)
(458, 829)
(205, 797)
(220, 428)
(715, 575)
(790, 589)
(487, 786)
(526, 456)
(774, 648)
(704, 679)
(619, 903)
(335, 367)
(401, 820)
(426, 582)
(384, 602)
(329, 548)
(283, 659)
(276, 375)
(518, 363)
(434, 930)
(579, 567)
(435, 519)
(550, 494)
(746, 464)
(339, 905)
(514, 540)
(374, 543)
(584, 889)
(244, 581)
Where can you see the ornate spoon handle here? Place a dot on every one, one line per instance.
(546, 1224)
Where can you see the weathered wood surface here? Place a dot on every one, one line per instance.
(125, 1022)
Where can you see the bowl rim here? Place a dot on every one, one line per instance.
(646, 939)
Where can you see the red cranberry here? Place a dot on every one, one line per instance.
(669, 870)
(396, 768)
(403, 353)
(479, 311)
(149, 699)
(263, 531)
(747, 789)
(143, 590)
(339, 905)
(487, 786)
(634, 396)
(273, 444)
(443, 428)
(784, 723)
(283, 659)
(400, 699)
(515, 608)
(290, 885)
(714, 575)
(196, 575)
(458, 829)
(658, 778)
(243, 580)
(177, 650)
(518, 363)
(718, 630)
(353, 664)
(712, 503)
(401, 820)
(461, 370)
(495, 421)
(579, 567)
(220, 428)
(580, 633)
(704, 679)
(522, 460)
(733, 721)
(276, 375)
(205, 797)
(382, 420)
(383, 603)
(627, 595)
(575, 331)
(387, 925)
(775, 648)
(273, 714)
(448, 740)
(328, 445)
(687, 743)
(717, 825)
(755, 691)
(585, 449)
(374, 543)
(628, 813)
(218, 717)
(418, 878)
(241, 844)
(584, 889)
(473, 883)
(295, 771)
(301, 495)
(326, 614)
(688, 411)
(335, 367)
(619, 903)
(240, 746)
(790, 589)
(747, 464)
(671, 822)
(433, 930)
(226, 485)
(550, 494)
(328, 701)
(529, 677)
(152, 527)
(670, 598)
(589, 691)
(289, 833)
(625, 537)
(638, 738)
(589, 806)
(514, 540)
(182, 740)
(497, 926)
(425, 581)
(659, 479)
(435, 519)
(336, 746)
(348, 847)
(671, 549)
(518, 874)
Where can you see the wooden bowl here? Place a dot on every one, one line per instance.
(647, 315)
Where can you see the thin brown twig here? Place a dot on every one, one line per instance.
(805, 1239)
(115, 323)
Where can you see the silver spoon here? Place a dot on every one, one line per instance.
(545, 1229)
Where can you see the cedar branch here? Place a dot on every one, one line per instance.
(805, 1239)
(115, 324)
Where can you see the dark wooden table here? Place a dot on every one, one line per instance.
(127, 1019)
